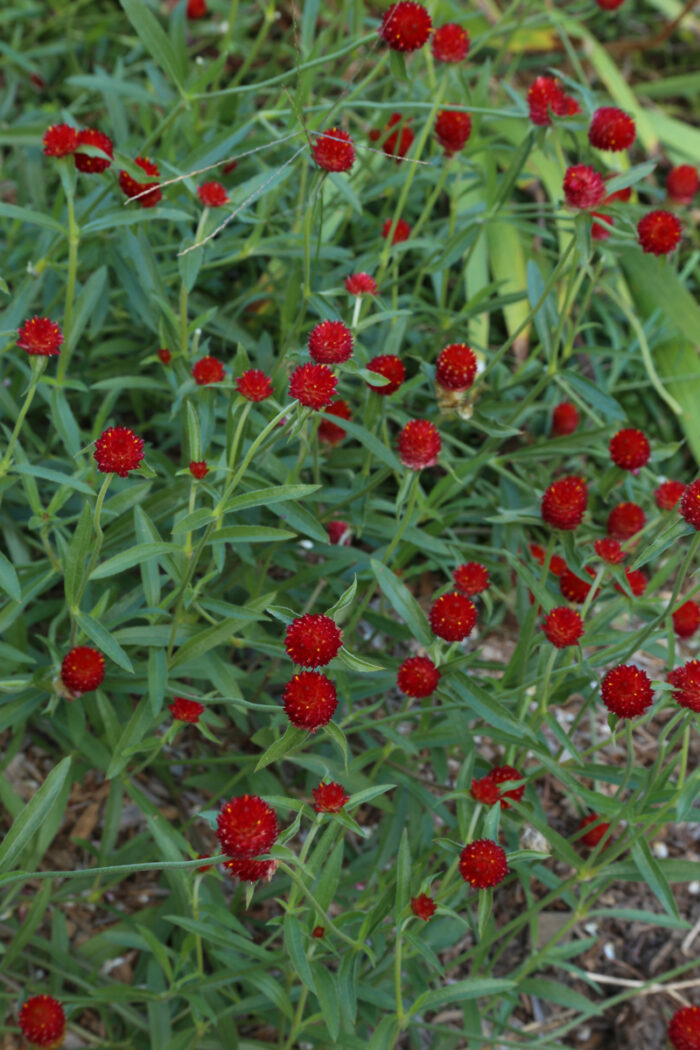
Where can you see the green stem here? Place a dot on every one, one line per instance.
(113, 869)
(327, 921)
(397, 979)
(183, 320)
(38, 366)
(73, 242)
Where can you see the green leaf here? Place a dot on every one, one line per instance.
(154, 39)
(327, 995)
(294, 948)
(30, 922)
(196, 520)
(592, 394)
(353, 662)
(291, 740)
(250, 534)
(472, 988)
(33, 814)
(653, 876)
(194, 440)
(134, 556)
(204, 641)
(397, 65)
(403, 602)
(85, 305)
(403, 875)
(78, 553)
(274, 494)
(490, 710)
(9, 580)
(555, 992)
(344, 602)
(104, 641)
(36, 218)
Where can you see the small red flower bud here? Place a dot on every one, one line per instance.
(248, 869)
(329, 798)
(331, 433)
(456, 367)
(254, 385)
(402, 231)
(471, 578)
(165, 355)
(196, 9)
(212, 194)
(626, 691)
(42, 1021)
(546, 97)
(361, 284)
(583, 186)
(624, 520)
(596, 834)
(686, 685)
(452, 617)
(313, 640)
(565, 419)
(118, 450)
(333, 150)
(485, 791)
(419, 444)
(611, 129)
(684, 1028)
(609, 5)
(450, 43)
(483, 864)
(199, 469)
(338, 532)
(564, 503)
(246, 826)
(318, 931)
(60, 140)
(630, 449)
(690, 504)
(423, 906)
(313, 386)
(392, 368)
(488, 790)
(681, 183)
(208, 370)
(418, 677)
(399, 142)
(563, 626)
(452, 130)
(185, 710)
(405, 26)
(132, 188)
(40, 337)
(609, 550)
(330, 343)
(658, 232)
(668, 494)
(686, 619)
(92, 137)
(309, 700)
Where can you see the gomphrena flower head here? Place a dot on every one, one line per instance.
(196, 9)
(419, 444)
(625, 520)
(418, 677)
(208, 370)
(392, 368)
(313, 640)
(686, 685)
(423, 906)
(405, 26)
(40, 337)
(246, 826)
(83, 669)
(684, 1029)
(609, 550)
(595, 835)
(212, 194)
(668, 493)
(630, 449)
(573, 587)
(483, 864)
(313, 386)
(132, 188)
(398, 143)
(456, 367)
(611, 129)
(583, 186)
(636, 581)
(60, 140)
(690, 504)
(545, 97)
(488, 790)
(248, 869)
(331, 433)
(329, 798)
(565, 419)
(360, 284)
(686, 619)
(658, 232)
(564, 503)
(471, 578)
(318, 932)
(330, 342)
(681, 183)
(333, 150)
(609, 5)
(93, 137)
(402, 231)
(42, 1021)
(563, 626)
(450, 43)
(185, 710)
(165, 355)
(338, 532)
(309, 700)
(485, 791)
(199, 469)
(254, 385)
(118, 450)
(626, 691)
(452, 617)
(452, 130)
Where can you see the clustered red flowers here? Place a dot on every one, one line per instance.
(682, 183)
(310, 698)
(455, 368)
(118, 450)
(583, 187)
(597, 830)
(212, 194)
(564, 503)
(42, 1021)
(405, 26)
(630, 449)
(402, 230)
(152, 194)
(626, 691)
(93, 164)
(60, 140)
(208, 370)
(483, 864)
(254, 385)
(40, 337)
(489, 789)
(684, 1028)
(563, 626)
(452, 130)
(690, 504)
(82, 670)
(361, 284)
(611, 129)
(419, 444)
(546, 97)
(313, 640)
(394, 143)
(247, 827)
(471, 578)
(686, 685)
(331, 433)
(658, 232)
(330, 343)
(391, 368)
(329, 798)
(423, 906)
(333, 150)
(565, 419)
(313, 386)
(452, 617)
(450, 43)
(418, 677)
(686, 619)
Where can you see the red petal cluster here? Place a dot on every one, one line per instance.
(248, 869)
(564, 503)
(42, 1021)
(165, 355)
(423, 906)
(563, 626)
(686, 685)
(60, 140)
(488, 789)
(690, 504)
(93, 137)
(611, 129)
(392, 368)
(199, 469)
(625, 520)
(313, 640)
(333, 150)
(329, 798)
(636, 581)
(573, 587)
(331, 433)
(686, 619)
(185, 710)
(254, 385)
(313, 385)
(330, 342)
(118, 450)
(546, 97)
(609, 550)
(684, 1028)
(246, 826)
(208, 370)
(658, 232)
(212, 194)
(450, 43)
(456, 367)
(398, 143)
(483, 864)
(583, 186)
(418, 677)
(132, 188)
(405, 26)
(452, 130)
(452, 617)
(681, 183)
(196, 9)
(40, 337)
(668, 494)
(83, 669)
(310, 700)
(630, 449)
(402, 231)
(595, 835)
(419, 444)
(565, 419)
(338, 532)
(471, 578)
(626, 691)
(361, 284)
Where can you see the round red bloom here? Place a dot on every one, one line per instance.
(686, 619)
(626, 691)
(488, 789)
(565, 419)
(636, 581)
(452, 130)
(246, 826)
(83, 669)
(318, 931)
(405, 26)
(333, 150)
(330, 342)
(132, 188)
(60, 140)
(401, 233)
(329, 432)
(630, 449)
(338, 532)
(609, 5)
(583, 186)
(254, 385)
(208, 370)
(43, 1021)
(564, 503)
(681, 183)
(310, 700)
(471, 578)
(392, 368)
(546, 97)
(609, 550)
(624, 520)
(40, 337)
(212, 194)
(595, 835)
(658, 232)
(418, 677)
(185, 710)
(423, 906)
(419, 444)
(573, 587)
(686, 685)
(165, 355)
(452, 617)
(93, 137)
(450, 43)
(399, 142)
(199, 469)
(361, 284)
(483, 864)
(118, 450)
(313, 640)
(247, 869)
(668, 494)
(456, 367)
(690, 504)
(329, 798)
(313, 385)
(197, 9)
(563, 626)
(684, 1028)
(485, 791)
(611, 129)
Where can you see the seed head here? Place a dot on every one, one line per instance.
(60, 140)
(310, 700)
(313, 640)
(611, 129)
(668, 494)
(333, 150)
(392, 368)
(456, 367)
(658, 232)
(313, 385)
(42, 1021)
(185, 710)
(625, 520)
(471, 578)
(681, 183)
(626, 691)
(254, 385)
(630, 449)
(450, 43)
(483, 864)
(40, 337)
(452, 617)
(564, 503)
(563, 626)
(208, 370)
(419, 444)
(423, 906)
(329, 798)
(330, 343)
(118, 450)
(132, 188)
(331, 433)
(418, 677)
(93, 137)
(565, 419)
(686, 619)
(405, 26)
(246, 826)
(212, 194)
(583, 187)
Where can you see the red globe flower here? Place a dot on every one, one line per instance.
(681, 183)
(313, 385)
(565, 419)
(60, 140)
(452, 617)
(313, 640)
(329, 798)
(452, 130)
(668, 494)
(690, 504)
(684, 1028)
(402, 231)
(208, 370)
(333, 150)
(40, 337)
(309, 700)
(563, 626)
(132, 188)
(450, 43)
(573, 587)
(583, 186)
(485, 791)
(483, 864)
(165, 355)
(246, 826)
(254, 385)
(625, 520)
(636, 581)
(686, 619)
(399, 142)
(546, 97)
(609, 5)
(199, 469)
(83, 669)
(318, 931)
(361, 284)
(471, 578)
(92, 137)
(118, 450)
(564, 503)
(42, 1021)
(686, 685)
(423, 906)
(596, 834)
(658, 232)
(247, 869)
(212, 194)
(331, 433)
(626, 691)
(630, 449)
(456, 367)
(338, 532)
(330, 343)
(405, 26)
(419, 444)
(488, 790)
(611, 129)
(609, 550)
(418, 677)
(392, 368)
(197, 9)
(185, 710)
